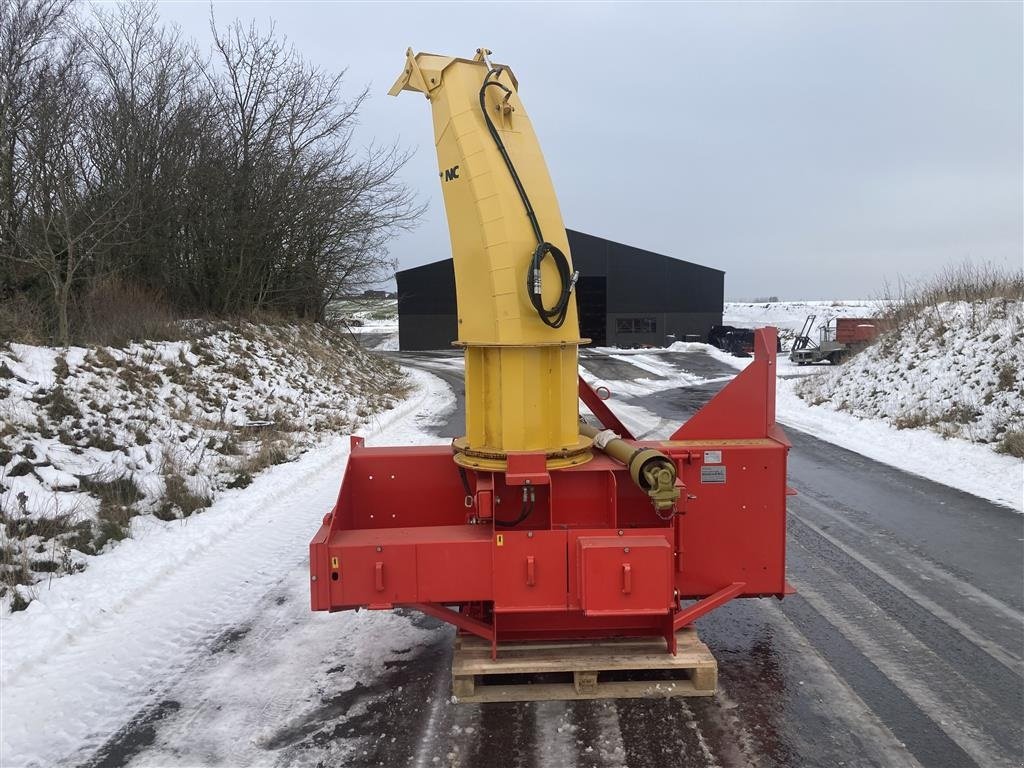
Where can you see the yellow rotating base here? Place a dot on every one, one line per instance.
(495, 461)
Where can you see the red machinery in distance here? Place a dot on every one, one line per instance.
(594, 558)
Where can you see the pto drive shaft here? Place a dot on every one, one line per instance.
(652, 471)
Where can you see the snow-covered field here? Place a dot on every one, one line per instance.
(374, 321)
(789, 316)
(92, 439)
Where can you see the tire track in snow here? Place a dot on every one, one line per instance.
(598, 738)
(506, 736)
(792, 705)
(432, 737)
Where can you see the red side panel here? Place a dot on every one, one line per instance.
(746, 406)
(601, 572)
(454, 571)
(379, 567)
(376, 576)
(734, 529)
(530, 571)
(319, 574)
(619, 574)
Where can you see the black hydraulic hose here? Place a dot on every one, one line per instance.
(488, 83)
(525, 512)
(555, 315)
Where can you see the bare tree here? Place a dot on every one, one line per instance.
(226, 186)
(68, 211)
(148, 110)
(29, 30)
(311, 215)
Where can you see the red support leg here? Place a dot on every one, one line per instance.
(478, 628)
(709, 603)
(494, 637)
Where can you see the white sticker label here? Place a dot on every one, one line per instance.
(712, 475)
(712, 457)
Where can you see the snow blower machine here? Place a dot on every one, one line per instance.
(538, 525)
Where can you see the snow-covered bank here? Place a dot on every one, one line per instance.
(969, 467)
(956, 368)
(93, 438)
(93, 650)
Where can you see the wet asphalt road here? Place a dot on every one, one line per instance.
(902, 648)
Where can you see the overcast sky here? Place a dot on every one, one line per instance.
(810, 150)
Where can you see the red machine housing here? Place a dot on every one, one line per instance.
(593, 559)
(857, 330)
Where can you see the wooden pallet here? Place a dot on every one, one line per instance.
(607, 669)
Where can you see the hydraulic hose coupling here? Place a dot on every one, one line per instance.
(652, 471)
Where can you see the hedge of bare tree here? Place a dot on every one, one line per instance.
(226, 183)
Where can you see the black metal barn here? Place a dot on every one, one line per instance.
(627, 297)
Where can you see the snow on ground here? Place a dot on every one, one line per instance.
(368, 315)
(94, 651)
(92, 438)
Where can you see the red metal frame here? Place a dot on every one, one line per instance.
(604, 414)
(593, 559)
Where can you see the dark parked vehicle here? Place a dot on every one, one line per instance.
(737, 341)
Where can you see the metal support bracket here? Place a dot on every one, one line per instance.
(471, 625)
(709, 603)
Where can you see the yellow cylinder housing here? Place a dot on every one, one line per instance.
(521, 374)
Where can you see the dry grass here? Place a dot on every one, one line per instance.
(118, 497)
(24, 319)
(968, 282)
(178, 500)
(22, 559)
(1007, 377)
(114, 312)
(1012, 444)
(59, 406)
(912, 420)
